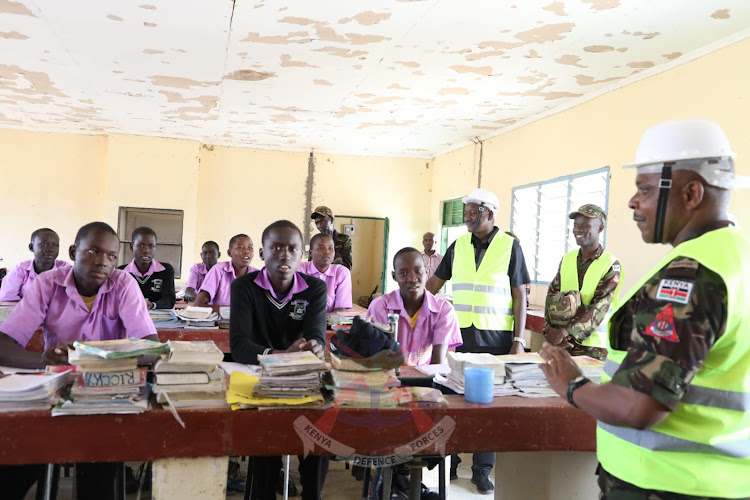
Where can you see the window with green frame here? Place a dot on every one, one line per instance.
(453, 226)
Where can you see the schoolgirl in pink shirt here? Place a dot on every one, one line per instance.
(209, 257)
(215, 289)
(338, 279)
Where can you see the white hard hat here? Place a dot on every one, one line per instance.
(695, 144)
(482, 196)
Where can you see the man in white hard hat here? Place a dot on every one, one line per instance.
(489, 278)
(674, 403)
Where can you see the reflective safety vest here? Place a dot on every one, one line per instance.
(594, 274)
(482, 297)
(703, 447)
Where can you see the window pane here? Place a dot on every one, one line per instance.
(168, 227)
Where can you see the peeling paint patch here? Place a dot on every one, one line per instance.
(286, 62)
(301, 21)
(147, 7)
(557, 7)
(641, 64)
(547, 33)
(584, 80)
(533, 54)
(598, 48)
(248, 75)
(481, 55)
(323, 82)
(152, 51)
(721, 14)
(37, 83)
(646, 36)
(498, 45)
(172, 96)
(12, 35)
(114, 17)
(10, 7)
(339, 52)
(481, 70)
(569, 60)
(396, 86)
(380, 100)
(417, 73)
(423, 101)
(149, 25)
(673, 55)
(345, 110)
(408, 64)
(388, 123)
(179, 82)
(279, 39)
(357, 39)
(282, 118)
(453, 90)
(603, 4)
(367, 18)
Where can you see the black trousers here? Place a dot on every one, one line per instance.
(312, 469)
(94, 481)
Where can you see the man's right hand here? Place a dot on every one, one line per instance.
(57, 355)
(558, 337)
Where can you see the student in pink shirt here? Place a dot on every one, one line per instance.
(209, 256)
(215, 289)
(89, 301)
(427, 324)
(337, 278)
(45, 245)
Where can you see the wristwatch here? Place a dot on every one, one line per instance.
(575, 384)
(520, 340)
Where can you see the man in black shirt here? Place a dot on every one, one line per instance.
(479, 216)
(278, 309)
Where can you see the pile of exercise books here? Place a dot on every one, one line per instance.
(31, 391)
(189, 377)
(197, 318)
(287, 380)
(224, 313)
(459, 361)
(592, 368)
(365, 389)
(163, 318)
(108, 378)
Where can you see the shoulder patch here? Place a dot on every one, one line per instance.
(674, 291)
(663, 326)
(683, 263)
(616, 268)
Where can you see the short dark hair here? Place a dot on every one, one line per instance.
(403, 251)
(278, 225)
(235, 238)
(94, 226)
(212, 243)
(40, 231)
(143, 231)
(317, 237)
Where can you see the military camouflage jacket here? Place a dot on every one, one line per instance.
(588, 318)
(342, 243)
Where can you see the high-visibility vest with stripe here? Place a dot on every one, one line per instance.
(594, 274)
(482, 296)
(703, 447)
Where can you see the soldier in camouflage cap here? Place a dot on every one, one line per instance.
(673, 403)
(342, 243)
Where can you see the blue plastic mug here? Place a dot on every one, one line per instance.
(479, 383)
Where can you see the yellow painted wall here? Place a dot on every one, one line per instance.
(606, 131)
(48, 180)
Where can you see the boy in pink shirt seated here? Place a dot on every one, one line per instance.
(89, 301)
(45, 245)
(209, 257)
(215, 289)
(427, 325)
(337, 278)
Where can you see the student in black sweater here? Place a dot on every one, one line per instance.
(155, 279)
(278, 309)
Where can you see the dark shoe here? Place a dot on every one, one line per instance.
(483, 483)
(428, 494)
(455, 460)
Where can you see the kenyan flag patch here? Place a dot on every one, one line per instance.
(674, 291)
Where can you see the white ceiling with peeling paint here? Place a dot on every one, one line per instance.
(408, 78)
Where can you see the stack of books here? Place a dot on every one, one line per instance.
(197, 318)
(358, 389)
(189, 376)
(108, 379)
(164, 318)
(459, 361)
(31, 391)
(287, 380)
(592, 368)
(524, 372)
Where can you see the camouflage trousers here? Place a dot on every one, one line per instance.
(617, 489)
(582, 350)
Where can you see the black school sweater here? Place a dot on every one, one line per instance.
(158, 287)
(258, 321)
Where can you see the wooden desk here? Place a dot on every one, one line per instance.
(507, 424)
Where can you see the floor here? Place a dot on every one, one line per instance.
(340, 485)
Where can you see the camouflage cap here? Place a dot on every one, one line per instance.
(322, 210)
(562, 307)
(589, 210)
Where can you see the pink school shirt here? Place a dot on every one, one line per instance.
(53, 300)
(155, 267)
(437, 324)
(263, 281)
(21, 277)
(197, 275)
(431, 262)
(339, 282)
(218, 283)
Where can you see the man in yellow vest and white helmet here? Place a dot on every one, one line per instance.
(586, 284)
(673, 408)
(489, 279)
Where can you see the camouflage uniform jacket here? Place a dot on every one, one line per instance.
(342, 243)
(588, 318)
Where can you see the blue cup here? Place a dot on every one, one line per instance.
(479, 383)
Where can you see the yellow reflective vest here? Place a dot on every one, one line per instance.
(703, 447)
(594, 274)
(482, 297)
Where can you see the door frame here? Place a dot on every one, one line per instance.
(386, 230)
